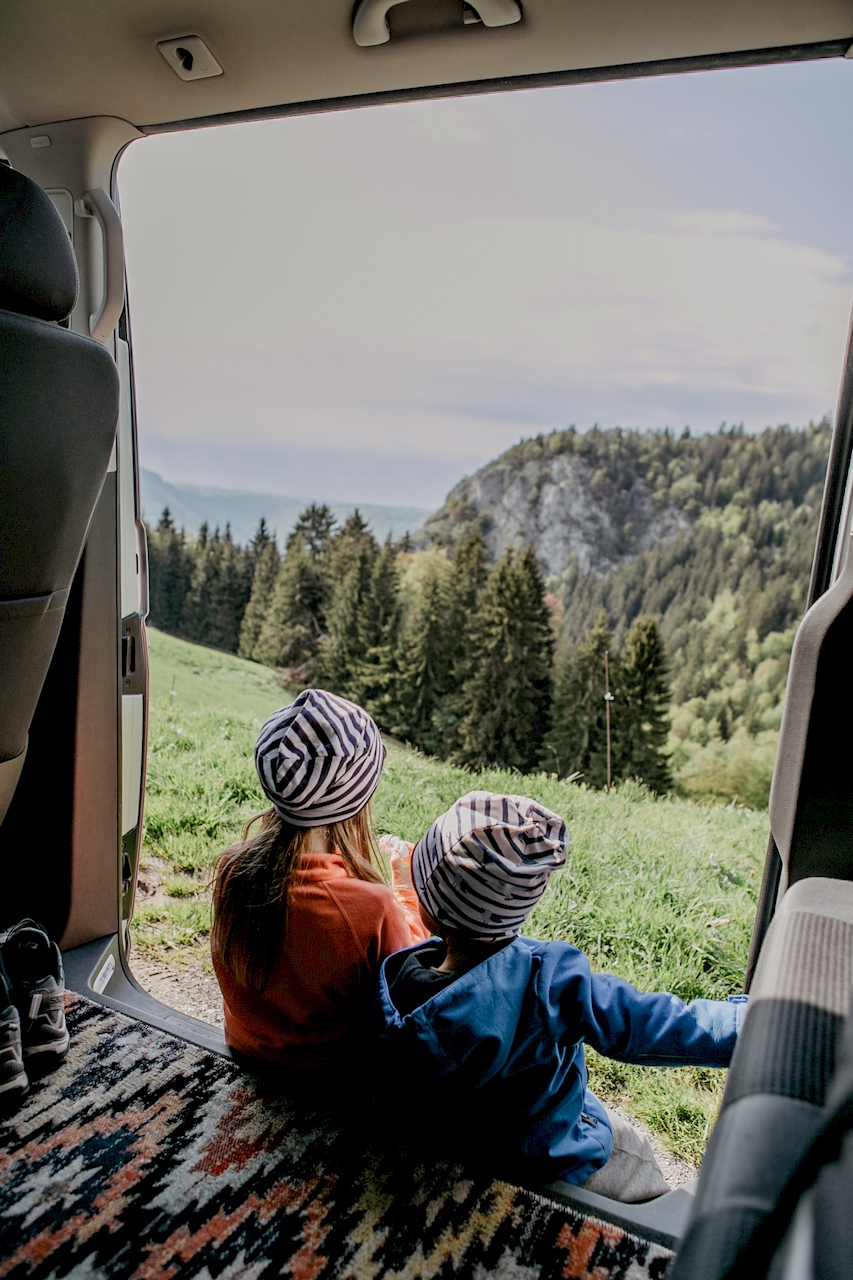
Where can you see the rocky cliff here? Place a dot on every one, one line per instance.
(569, 502)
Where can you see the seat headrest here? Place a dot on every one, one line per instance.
(38, 272)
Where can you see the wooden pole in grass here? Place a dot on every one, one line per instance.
(608, 698)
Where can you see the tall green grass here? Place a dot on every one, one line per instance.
(660, 891)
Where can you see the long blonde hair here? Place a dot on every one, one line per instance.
(252, 884)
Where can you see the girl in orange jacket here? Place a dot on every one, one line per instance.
(302, 918)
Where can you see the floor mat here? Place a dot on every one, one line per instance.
(145, 1157)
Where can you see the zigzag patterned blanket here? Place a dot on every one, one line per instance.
(147, 1158)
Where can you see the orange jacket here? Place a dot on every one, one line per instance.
(339, 930)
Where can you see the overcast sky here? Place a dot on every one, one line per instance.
(365, 306)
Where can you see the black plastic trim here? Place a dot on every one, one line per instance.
(826, 545)
(663, 1221)
(506, 84)
(767, 899)
(835, 486)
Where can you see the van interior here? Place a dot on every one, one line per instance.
(79, 84)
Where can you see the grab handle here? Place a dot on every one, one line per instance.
(102, 323)
(370, 25)
(142, 574)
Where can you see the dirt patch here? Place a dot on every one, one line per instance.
(675, 1170)
(190, 986)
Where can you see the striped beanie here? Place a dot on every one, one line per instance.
(482, 866)
(319, 759)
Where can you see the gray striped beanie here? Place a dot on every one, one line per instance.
(482, 866)
(319, 759)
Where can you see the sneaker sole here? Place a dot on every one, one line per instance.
(13, 1092)
(20, 1082)
(58, 1047)
(42, 1059)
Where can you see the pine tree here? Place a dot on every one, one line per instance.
(263, 584)
(315, 526)
(424, 668)
(644, 701)
(346, 564)
(507, 698)
(228, 592)
(342, 653)
(291, 630)
(196, 610)
(344, 547)
(256, 548)
(374, 681)
(381, 606)
(468, 577)
(578, 740)
(293, 624)
(459, 639)
(169, 573)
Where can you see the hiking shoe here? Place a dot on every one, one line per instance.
(13, 1077)
(34, 969)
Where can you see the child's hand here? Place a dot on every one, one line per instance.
(399, 854)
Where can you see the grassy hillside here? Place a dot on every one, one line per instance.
(195, 678)
(660, 891)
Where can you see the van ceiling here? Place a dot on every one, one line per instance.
(62, 61)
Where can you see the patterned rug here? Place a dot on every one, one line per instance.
(145, 1157)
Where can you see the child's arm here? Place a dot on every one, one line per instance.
(653, 1029)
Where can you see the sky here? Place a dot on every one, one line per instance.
(368, 305)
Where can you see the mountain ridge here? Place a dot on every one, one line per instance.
(192, 505)
(594, 502)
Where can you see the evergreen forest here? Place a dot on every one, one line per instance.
(676, 658)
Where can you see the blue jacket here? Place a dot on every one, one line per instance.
(496, 1058)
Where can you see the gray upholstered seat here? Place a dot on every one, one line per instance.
(58, 414)
(778, 1079)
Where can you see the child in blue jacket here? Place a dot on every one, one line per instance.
(485, 1029)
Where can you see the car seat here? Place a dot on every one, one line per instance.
(811, 1234)
(778, 1083)
(59, 397)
